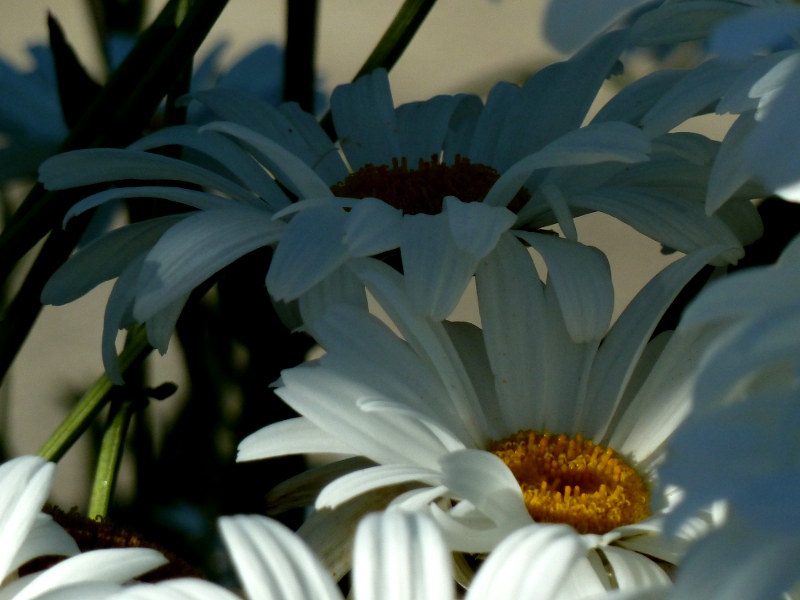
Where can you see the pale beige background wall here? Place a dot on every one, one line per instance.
(464, 45)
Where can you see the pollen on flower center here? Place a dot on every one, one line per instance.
(422, 190)
(574, 481)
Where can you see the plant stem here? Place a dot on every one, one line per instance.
(298, 56)
(105, 477)
(391, 46)
(79, 419)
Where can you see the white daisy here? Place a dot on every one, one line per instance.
(441, 408)
(527, 137)
(27, 533)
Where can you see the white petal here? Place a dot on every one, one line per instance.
(45, 538)
(200, 200)
(24, 486)
(302, 490)
(763, 77)
(99, 165)
(463, 123)
(730, 170)
(364, 117)
(289, 169)
(475, 226)
(330, 401)
(683, 21)
(372, 227)
(634, 571)
(116, 317)
(487, 483)
(511, 302)
(161, 325)
(664, 399)
(195, 249)
(329, 533)
(582, 281)
(594, 143)
(312, 247)
(566, 33)
(558, 204)
(771, 150)
(297, 131)
(115, 565)
(636, 99)
(436, 270)
(674, 221)
(538, 557)
(224, 151)
(693, 93)
(272, 562)
(737, 564)
(483, 146)
(622, 347)
(468, 536)
(327, 162)
(340, 287)
(291, 436)
(104, 259)
(360, 346)
(429, 340)
(400, 556)
(755, 31)
(176, 589)
(468, 341)
(349, 486)
(555, 100)
(422, 127)
(566, 371)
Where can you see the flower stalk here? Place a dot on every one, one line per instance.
(81, 417)
(105, 477)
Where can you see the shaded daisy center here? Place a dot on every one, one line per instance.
(574, 481)
(422, 190)
(92, 534)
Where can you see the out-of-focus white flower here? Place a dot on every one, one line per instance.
(740, 443)
(440, 408)
(396, 555)
(444, 216)
(26, 533)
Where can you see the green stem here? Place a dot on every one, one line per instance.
(391, 46)
(79, 419)
(105, 477)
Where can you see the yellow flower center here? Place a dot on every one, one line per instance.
(422, 190)
(574, 481)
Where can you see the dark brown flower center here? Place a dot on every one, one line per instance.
(90, 534)
(422, 190)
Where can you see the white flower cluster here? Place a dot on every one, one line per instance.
(567, 456)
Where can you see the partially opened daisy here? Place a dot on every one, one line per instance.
(441, 180)
(530, 419)
(27, 533)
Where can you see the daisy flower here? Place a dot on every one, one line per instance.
(397, 555)
(26, 533)
(434, 179)
(529, 420)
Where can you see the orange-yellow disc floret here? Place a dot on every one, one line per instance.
(574, 481)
